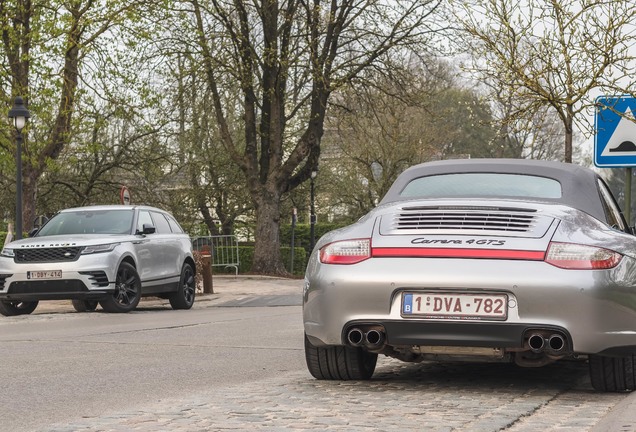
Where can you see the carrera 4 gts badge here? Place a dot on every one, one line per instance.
(490, 242)
(426, 241)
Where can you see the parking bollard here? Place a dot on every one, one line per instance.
(206, 271)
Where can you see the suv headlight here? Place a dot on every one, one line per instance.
(9, 253)
(99, 248)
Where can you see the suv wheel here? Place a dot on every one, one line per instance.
(183, 298)
(84, 305)
(613, 374)
(127, 291)
(339, 362)
(13, 308)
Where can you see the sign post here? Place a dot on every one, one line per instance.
(615, 139)
(628, 195)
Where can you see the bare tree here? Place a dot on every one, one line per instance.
(287, 57)
(105, 152)
(377, 130)
(552, 53)
(44, 46)
(522, 133)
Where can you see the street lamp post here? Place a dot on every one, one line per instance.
(312, 212)
(19, 114)
(376, 171)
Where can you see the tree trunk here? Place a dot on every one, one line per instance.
(284, 56)
(267, 258)
(569, 131)
(29, 194)
(207, 216)
(568, 145)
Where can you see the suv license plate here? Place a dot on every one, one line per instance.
(455, 306)
(45, 274)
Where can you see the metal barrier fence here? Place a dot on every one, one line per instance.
(224, 248)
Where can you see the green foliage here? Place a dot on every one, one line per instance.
(464, 121)
(377, 131)
(302, 238)
(3, 236)
(300, 259)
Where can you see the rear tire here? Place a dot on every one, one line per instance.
(127, 291)
(339, 362)
(183, 298)
(84, 305)
(13, 308)
(613, 374)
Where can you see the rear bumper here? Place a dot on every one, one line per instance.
(400, 333)
(595, 310)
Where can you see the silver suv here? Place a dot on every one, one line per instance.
(111, 255)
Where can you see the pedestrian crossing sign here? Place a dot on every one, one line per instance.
(615, 131)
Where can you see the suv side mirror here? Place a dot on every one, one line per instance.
(149, 229)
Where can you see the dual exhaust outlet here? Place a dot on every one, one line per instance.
(552, 344)
(374, 338)
(371, 338)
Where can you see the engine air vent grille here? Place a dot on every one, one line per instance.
(461, 219)
(491, 219)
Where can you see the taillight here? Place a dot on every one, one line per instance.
(346, 252)
(581, 257)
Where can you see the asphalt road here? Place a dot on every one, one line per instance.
(64, 367)
(240, 365)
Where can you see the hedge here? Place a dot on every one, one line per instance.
(246, 255)
(302, 233)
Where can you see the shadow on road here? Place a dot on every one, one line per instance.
(480, 376)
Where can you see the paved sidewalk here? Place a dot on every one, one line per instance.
(229, 290)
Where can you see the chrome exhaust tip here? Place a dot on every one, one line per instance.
(536, 342)
(374, 338)
(556, 343)
(355, 337)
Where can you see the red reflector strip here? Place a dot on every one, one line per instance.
(458, 253)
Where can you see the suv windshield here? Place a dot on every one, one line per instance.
(89, 222)
(482, 185)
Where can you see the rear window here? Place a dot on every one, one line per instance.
(482, 185)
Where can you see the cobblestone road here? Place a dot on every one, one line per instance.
(424, 397)
(421, 397)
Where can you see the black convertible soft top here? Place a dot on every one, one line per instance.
(579, 184)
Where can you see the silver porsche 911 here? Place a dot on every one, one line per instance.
(497, 260)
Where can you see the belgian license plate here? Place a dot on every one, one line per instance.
(45, 274)
(455, 306)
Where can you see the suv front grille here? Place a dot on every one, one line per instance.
(39, 255)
